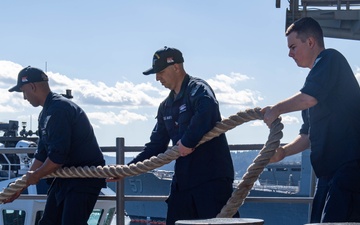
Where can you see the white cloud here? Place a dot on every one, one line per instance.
(228, 91)
(123, 94)
(286, 119)
(101, 98)
(257, 123)
(126, 94)
(8, 77)
(6, 109)
(245, 98)
(121, 104)
(9, 71)
(111, 118)
(234, 77)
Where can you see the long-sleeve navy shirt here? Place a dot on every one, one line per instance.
(67, 137)
(188, 117)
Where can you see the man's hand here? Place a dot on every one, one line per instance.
(32, 178)
(270, 114)
(278, 156)
(15, 196)
(184, 151)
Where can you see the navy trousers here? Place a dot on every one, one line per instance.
(73, 209)
(337, 198)
(202, 202)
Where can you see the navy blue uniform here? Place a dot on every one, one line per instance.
(333, 126)
(202, 182)
(67, 137)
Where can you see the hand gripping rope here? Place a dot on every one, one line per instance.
(239, 194)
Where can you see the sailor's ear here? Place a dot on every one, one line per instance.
(176, 67)
(311, 42)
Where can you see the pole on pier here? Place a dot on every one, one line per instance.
(120, 199)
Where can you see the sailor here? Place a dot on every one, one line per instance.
(66, 139)
(202, 182)
(330, 104)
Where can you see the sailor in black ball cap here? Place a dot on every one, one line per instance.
(66, 139)
(203, 177)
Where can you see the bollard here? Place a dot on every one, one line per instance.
(222, 221)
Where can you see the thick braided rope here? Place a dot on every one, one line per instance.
(253, 171)
(140, 167)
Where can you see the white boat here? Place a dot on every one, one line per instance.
(29, 207)
(28, 211)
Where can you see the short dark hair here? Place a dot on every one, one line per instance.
(306, 27)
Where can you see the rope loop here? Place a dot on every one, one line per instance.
(120, 171)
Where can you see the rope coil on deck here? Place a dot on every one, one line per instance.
(238, 196)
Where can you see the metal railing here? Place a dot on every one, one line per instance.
(120, 149)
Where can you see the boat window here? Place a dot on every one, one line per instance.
(13, 217)
(295, 169)
(281, 169)
(109, 216)
(38, 216)
(95, 216)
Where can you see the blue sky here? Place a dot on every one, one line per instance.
(99, 49)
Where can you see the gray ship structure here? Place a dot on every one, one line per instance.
(286, 179)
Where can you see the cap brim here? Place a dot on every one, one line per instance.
(15, 88)
(149, 71)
